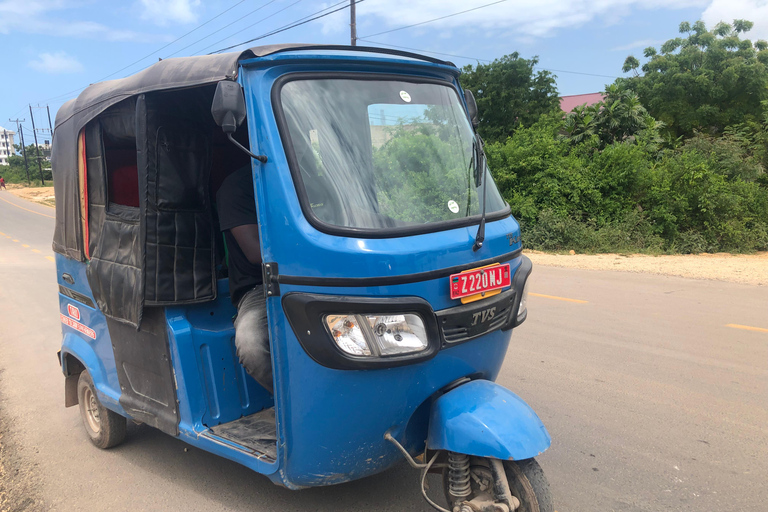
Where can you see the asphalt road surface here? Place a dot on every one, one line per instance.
(653, 402)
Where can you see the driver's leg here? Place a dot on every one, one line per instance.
(252, 337)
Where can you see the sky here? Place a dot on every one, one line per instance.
(54, 48)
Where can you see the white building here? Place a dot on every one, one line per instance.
(6, 145)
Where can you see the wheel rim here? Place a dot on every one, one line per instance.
(92, 417)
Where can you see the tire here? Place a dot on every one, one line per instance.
(527, 483)
(105, 428)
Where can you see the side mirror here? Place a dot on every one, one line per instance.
(471, 107)
(228, 110)
(228, 107)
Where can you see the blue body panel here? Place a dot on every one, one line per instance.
(95, 354)
(330, 423)
(484, 419)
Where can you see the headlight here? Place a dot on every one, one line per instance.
(523, 309)
(378, 335)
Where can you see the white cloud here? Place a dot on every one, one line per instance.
(641, 44)
(39, 17)
(163, 12)
(729, 10)
(56, 63)
(526, 18)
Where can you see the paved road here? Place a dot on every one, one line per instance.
(652, 402)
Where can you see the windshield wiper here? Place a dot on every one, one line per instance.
(479, 157)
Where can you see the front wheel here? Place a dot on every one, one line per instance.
(105, 428)
(525, 478)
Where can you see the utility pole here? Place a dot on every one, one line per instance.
(23, 147)
(37, 147)
(50, 126)
(352, 22)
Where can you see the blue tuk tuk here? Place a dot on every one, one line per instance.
(392, 270)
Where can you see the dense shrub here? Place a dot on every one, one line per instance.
(707, 195)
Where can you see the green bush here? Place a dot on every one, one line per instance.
(707, 195)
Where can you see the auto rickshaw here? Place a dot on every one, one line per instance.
(392, 270)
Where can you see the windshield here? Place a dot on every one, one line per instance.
(384, 154)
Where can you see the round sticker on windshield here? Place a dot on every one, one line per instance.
(453, 206)
(405, 96)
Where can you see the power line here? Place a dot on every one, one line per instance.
(288, 27)
(69, 93)
(246, 28)
(435, 19)
(578, 73)
(229, 25)
(485, 60)
(175, 40)
(424, 51)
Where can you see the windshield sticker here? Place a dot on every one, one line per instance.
(453, 206)
(405, 96)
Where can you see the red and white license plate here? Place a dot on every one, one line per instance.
(477, 283)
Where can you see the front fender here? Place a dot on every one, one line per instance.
(483, 419)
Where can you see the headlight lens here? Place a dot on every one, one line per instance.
(378, 335)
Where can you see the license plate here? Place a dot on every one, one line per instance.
(478, 283)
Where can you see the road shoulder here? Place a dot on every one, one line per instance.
(735, 268)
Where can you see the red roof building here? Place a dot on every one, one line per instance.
(568, 103)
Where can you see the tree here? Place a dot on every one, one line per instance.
(510, 94)
(631, 64)
(705, 80)
(620, 117)
(15, 171)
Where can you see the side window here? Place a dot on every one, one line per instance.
(122, 172)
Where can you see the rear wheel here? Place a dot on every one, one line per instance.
(105, 428)
(526, 480)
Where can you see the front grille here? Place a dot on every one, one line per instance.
(466, 322)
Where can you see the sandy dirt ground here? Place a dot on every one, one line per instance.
(40, 195)
(735, 268)
(18, 479)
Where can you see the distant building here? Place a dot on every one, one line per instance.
(568, 103)
(45, 149)
(6, 145)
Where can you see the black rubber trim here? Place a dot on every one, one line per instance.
(76, 296)
(368, 49)
(393, 280)
(305, 312)
(301, 191)
(518, 283)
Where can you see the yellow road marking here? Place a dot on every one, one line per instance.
(577, 301)
(27, 209)
(1, 233)
(746, 327)
(15, 240)
(35, 250)
(25, 246)
(50, 258)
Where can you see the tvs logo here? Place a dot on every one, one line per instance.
(484, 316)
(73, 312)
